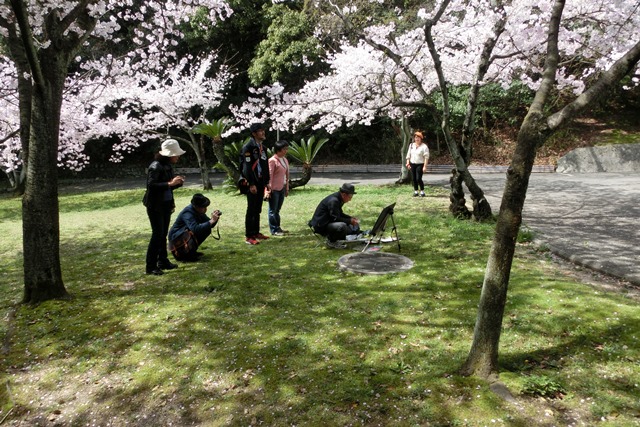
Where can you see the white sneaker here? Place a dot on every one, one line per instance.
(335, 245)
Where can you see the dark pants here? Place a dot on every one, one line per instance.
(185, 247)
(275, 204)
(416, 176)
(254, 209)
(338, 231)
(157, 250)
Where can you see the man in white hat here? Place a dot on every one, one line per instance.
(160, 204)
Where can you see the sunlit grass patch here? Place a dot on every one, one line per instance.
(277, 334)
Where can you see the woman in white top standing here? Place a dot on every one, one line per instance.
(417, 159)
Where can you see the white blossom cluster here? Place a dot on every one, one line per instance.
(151, 65)
(364, 82)
(9, 118)
(152, 102)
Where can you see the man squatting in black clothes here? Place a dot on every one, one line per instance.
(329, 220)
(255, 169)
(192, 220)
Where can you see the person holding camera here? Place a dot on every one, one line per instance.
(158, 199)
(191, 229)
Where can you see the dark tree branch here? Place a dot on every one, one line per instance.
(551, 61)
(20, 12)
(11, 135)
(618, 70)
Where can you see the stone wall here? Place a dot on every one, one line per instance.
(609, 158)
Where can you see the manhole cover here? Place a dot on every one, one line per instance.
(374, 262)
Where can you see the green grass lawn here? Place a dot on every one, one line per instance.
(276, 334)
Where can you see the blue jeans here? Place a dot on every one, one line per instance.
(275, 204)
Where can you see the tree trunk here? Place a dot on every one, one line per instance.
(218, 150)
(202, 164)
(197, 148)
(307, 169)
(25, 93)
(460, 156)
(457, 207)
(405, 134)
(40, 226)
(483, 357)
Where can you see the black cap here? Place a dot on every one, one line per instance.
(200, 201)
(348, 188)
(255, 127)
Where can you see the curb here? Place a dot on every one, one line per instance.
(607, 270)
(393, 168)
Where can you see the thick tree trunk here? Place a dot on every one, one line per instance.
(40, 226)
(25, 93)
(483, 357)
(457, 207)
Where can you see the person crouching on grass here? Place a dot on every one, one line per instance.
(330, 221)
(191, 229)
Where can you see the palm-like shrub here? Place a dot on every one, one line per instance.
(305, 152)
(214, 130)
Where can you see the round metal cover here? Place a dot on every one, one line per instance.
(374, 262)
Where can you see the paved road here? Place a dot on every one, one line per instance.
(590, 219)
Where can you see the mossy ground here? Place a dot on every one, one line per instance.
(276, 334)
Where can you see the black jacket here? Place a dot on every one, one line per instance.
(329, 210)
(255, 164)
(159, 195)
(190, 219)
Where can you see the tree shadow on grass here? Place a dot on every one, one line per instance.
(262, 334)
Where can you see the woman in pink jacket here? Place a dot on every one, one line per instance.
(279, 182)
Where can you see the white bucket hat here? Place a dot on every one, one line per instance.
(171, 148)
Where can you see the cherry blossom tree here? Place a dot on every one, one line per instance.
(393, 66)
(43, 39)
(170, 102)
(579, 49)
(391, 72)
(614, 30)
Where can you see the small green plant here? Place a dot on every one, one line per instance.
(525, 235)
(542, 386)
(402, 368)
(231, 165)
